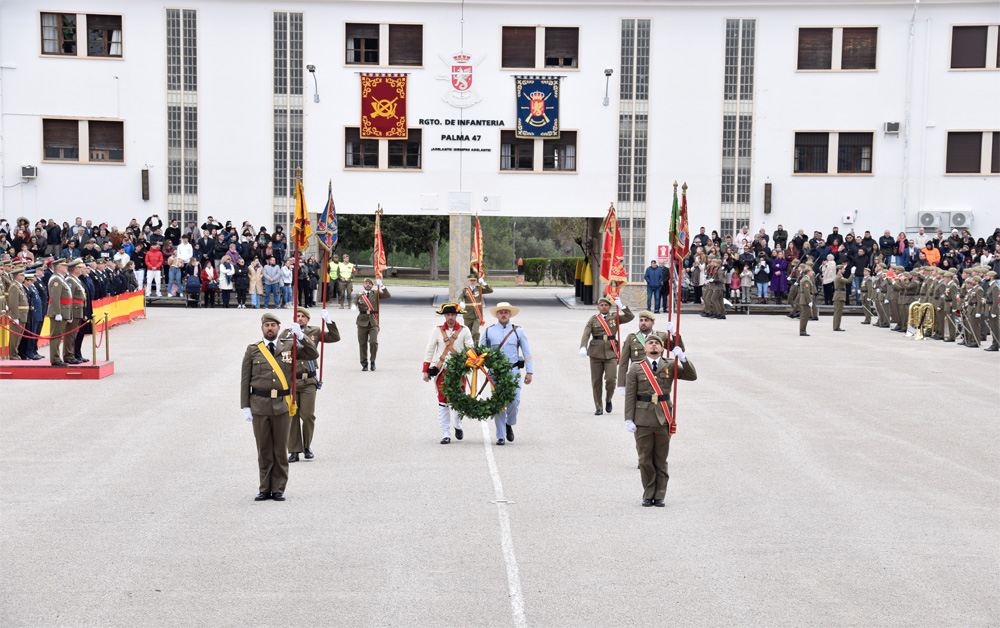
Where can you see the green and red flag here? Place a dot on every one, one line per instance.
(680, 233)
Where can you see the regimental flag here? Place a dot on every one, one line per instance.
(302, 229)
(680, 240)
(613, 257)
(379, 256)
(383, 106)
(477, 251)
(537, 104)
(326, 225)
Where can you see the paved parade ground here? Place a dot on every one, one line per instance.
(839, 479)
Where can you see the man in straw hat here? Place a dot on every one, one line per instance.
(445, 340)
(602, 333)
(265, 396)
(512, 340)
(303, 423)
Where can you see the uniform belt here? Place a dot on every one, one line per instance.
(652, 398)
(78, 301)
(308, 376)
(605, 337)
(65, 301)
(273, 394)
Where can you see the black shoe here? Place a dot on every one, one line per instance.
(309, 454)
(459, 434)
(598, 412)
(262, 496)
(972, 346)
(948, 340)
(293, 457)
(500, 441)
(510, 430)
(991, 349)
(802, 333)
(814, 318)
(278, 497)
(60, 364)
(35, 357)
(839, 329)
(373, 365)
(656, 312)
(446, 440)
(721, 318)
(790, 315)
(658, 503)
(936, 337)
(364, 367)
(607, 407)
(647, 503)
(864, 323)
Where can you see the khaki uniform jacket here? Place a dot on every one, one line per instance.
(258, 374)
(365, 318)
(59, 298)
(437, 342)
(993, 300)
(470, 309)
(302, 370)
(600, 347)
(634, 350)
(17, 302)
(79, 296)
(806, 291)
(839, 293)
(647, 413)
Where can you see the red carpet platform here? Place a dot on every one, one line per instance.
(41, 369)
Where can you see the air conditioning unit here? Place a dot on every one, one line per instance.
(892, 128)
(929, 220)
(29, 172)
(960, 220)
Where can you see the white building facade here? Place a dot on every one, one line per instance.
(809, 114)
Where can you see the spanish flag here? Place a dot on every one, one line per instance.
(302, 229)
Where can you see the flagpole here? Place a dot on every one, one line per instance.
(677, 324)
(325, 275)
(378, 288)
(295, 281)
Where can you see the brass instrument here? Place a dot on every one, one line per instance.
(920, 321)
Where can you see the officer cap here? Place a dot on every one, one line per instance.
(472, 276)
(29, 274)
(655, 337)
(368, 280)
(267, 317)
(73, 263)
(991, 273)
(605, 300)
(18, 271)
(647, 314)
(303, 311)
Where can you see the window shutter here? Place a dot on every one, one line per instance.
(964, 152)
(104, 22)
(406, 44)
(562, 43)
(362, 31)
(518, 47)
(968, 46)
(859, 49)
(107, 135)
(995, 161)
(60, 133)
(815, 48)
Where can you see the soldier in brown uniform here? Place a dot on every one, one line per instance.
(473, 304)
(265, 396)
(602, 333)
(634, 347)
(17, 305)
(646, 413)
(367, 321)
(807, 297)
(79, 301)
(867, 296)
(992, 310)
(794, 276)
(840, 284)
(60, 311)
(303, 424)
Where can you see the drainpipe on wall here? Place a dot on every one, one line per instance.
(906, 117)
(923, 122)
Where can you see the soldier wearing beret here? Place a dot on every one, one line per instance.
(265, 396)
(807, 299)
(649, 413)
(474, 305)
(600, 343)
(367, 303)
(840, 283)
(303, 423)
(634, 346)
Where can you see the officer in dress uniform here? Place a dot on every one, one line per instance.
(36, 314)
(18, 306)
(600, 343)
(78, 296)
(512, 340)
(840, 283)
(446, 339)
(992, 310)
(867, 300)
(60, 311)
(794, 276)
(303, 424)
(265, 397)
(474, 305)
(807, 297)
(368, 320)
(647, 418)
(634, 347)
(90, 289)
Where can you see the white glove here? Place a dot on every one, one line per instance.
(619, 304)
(886, 301)
(325, 316)
(247, 415)
(630, 426)
(353, 306)
(58, 317)
(297, 330)
(621, 391)
(810, 304)
(991, 315)
(583, 352)
(17, 322)
(978, 315)
(378, 282)
(679, 354)
(671, 327)
(853, 268)
(461, 305)
(482, 281)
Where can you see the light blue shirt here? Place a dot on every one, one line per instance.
(494, 335)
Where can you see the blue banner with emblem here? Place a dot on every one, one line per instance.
(537, 100)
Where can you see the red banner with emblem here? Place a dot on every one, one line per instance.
(383, 106)
(613, 258)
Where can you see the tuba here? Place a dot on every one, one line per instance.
(921, 321)
(913, 320)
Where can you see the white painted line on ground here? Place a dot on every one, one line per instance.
(506, 540)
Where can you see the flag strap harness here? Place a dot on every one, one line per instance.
(614, 342)
(660, 397)
(475, 305)
(280, 374)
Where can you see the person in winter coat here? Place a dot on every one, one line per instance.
(653, 278)
(226, 272)
(828, 268)
(762, 277)
(209, 276)
(779, 277)
(256, 282)
(241, 283)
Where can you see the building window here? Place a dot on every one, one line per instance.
(59, 34)
(405, 153)
(362, 153)
(966, 152)
(182, 114)
(406, 44)
(737, 123)
(633, 124)
(561, 47)
(854, 153)
(858, 47)
(287, 103)
(61, 140)
(107, 141)
(973, 48)
(811, 151)
(362, 44)
(560, 154)
(516, 153)
(104, 35)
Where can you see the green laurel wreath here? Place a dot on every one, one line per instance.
(501, 371)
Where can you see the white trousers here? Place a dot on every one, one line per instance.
(151, 276)
(445, 416)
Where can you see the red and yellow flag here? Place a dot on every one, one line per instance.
(613, 258)
(302, 229)
(477, 251)
(379, 257)
(383, 106)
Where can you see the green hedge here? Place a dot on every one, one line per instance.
(534, 269)
(561, 269)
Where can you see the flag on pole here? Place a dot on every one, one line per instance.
(477, 251)
(379, 257)
(302, 228)
(680, 240)
(613, 258)
(326, 225)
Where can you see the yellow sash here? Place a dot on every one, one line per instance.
(281, 375)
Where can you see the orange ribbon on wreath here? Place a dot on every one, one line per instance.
(476, 363)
